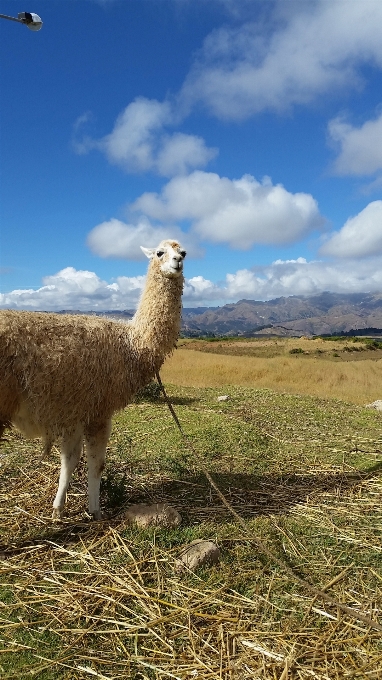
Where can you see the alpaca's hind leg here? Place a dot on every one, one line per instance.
(96, 441)
(71, 448)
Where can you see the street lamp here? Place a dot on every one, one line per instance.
(30, 19)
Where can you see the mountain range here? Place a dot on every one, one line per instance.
(323, 314)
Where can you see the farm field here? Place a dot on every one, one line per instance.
(81, 599)
(346, 370)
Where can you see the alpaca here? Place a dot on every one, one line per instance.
(63, 376)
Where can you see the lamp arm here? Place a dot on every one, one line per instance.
(5, 16)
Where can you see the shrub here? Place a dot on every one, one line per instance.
(150, 392)
(114, 491)
(373, 344)
(332, 338)
(213, 338)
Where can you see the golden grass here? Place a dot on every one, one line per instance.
(280, 343)
(116, 621)
(359, 382)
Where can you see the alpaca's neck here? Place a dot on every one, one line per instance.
(156, 324)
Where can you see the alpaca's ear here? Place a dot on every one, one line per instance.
(149, 252)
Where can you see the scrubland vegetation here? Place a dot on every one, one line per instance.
(342, 369)
(296, 455)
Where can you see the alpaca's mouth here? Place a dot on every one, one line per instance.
(173, 269)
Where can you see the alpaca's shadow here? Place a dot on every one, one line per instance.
(194, 498)
(250, 495)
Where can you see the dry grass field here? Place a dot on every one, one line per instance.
(82, 599)
(341, 370)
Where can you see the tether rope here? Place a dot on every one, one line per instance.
(316, 592)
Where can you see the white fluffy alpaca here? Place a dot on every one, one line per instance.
(63, 376)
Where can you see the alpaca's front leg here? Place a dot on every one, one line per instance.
(96, 443)
(71, 448)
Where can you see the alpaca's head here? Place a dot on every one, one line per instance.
(168, 257)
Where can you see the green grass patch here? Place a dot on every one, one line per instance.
(81, 599)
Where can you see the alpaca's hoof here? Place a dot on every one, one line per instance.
(57, 513)
(96, 515)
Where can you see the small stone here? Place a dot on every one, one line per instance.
(197, 554)
(224, 397)
(157, 515)
(377, 405)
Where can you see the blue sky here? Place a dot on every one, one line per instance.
(250, 129)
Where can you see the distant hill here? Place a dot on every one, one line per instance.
(326, 313)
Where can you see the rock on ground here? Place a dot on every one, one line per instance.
(158, 515)
(377, 405)
(197, 554)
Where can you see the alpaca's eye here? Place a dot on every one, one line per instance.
(183, 253)
(160, 253)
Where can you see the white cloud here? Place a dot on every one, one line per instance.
(81, 121)
(131, 142)
(178, 153)
(284, 278)
(239, 212)
(115, 238)
(200, 291)
(74, 289)
(309, 49)
(85, 291)
(139, 142)
(289, 277)
(360, 148)
(361, 236)
(307, 278)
